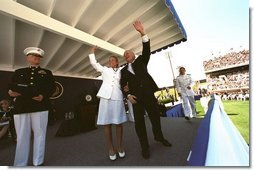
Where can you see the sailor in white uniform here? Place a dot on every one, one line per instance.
(184, 85)
(111, 107)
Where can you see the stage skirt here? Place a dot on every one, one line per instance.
(111, 112)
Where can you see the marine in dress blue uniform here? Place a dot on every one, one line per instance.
(31, 88)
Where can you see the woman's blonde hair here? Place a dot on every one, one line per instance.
(116, 58)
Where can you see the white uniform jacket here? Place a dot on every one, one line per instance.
(110, 88)
(182, 82)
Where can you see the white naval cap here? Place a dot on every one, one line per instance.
(34, 50)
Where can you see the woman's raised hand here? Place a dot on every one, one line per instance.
(93, 49)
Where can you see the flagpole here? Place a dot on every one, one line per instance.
(169, 56)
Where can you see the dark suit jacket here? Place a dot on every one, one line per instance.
(141, 82)
(41, 81)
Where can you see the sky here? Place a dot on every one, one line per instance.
(212, 27)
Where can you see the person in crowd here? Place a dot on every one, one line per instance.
(140, 92)
(111, 106)
(31, 88)
(7, 117)
(184, 85)
(4, 122)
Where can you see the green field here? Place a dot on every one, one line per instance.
(238, 111)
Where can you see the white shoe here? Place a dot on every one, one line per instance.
(121, 154)
(113, 157)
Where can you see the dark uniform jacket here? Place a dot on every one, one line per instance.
(141, 82)
(38, 81)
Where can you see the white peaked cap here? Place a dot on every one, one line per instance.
(34, 50)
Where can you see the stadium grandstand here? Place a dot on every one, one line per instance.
(228, 75)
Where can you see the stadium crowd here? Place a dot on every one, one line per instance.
(234, 80)
(232, 84)
(227, 60)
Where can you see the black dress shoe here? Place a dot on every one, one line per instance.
(187, 118)
(146, 154)
(42, 164)
(164, 142)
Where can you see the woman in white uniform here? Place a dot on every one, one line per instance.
(111, 107)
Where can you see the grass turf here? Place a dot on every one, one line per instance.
(238, 111)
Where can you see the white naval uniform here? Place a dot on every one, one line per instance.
(111, 107)
(24, 123)
(182, 82)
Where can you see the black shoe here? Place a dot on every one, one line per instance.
(164, 142)
(187, 118)
(42, 164)
(146, 154)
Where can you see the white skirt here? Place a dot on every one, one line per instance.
(111, 112)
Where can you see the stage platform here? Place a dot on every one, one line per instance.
(89, 149)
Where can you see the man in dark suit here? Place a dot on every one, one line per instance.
(31, 88)
(140, 92)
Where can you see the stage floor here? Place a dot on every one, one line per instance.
(89, 149)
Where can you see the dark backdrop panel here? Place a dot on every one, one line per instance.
(74, 91)
(5, 79)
